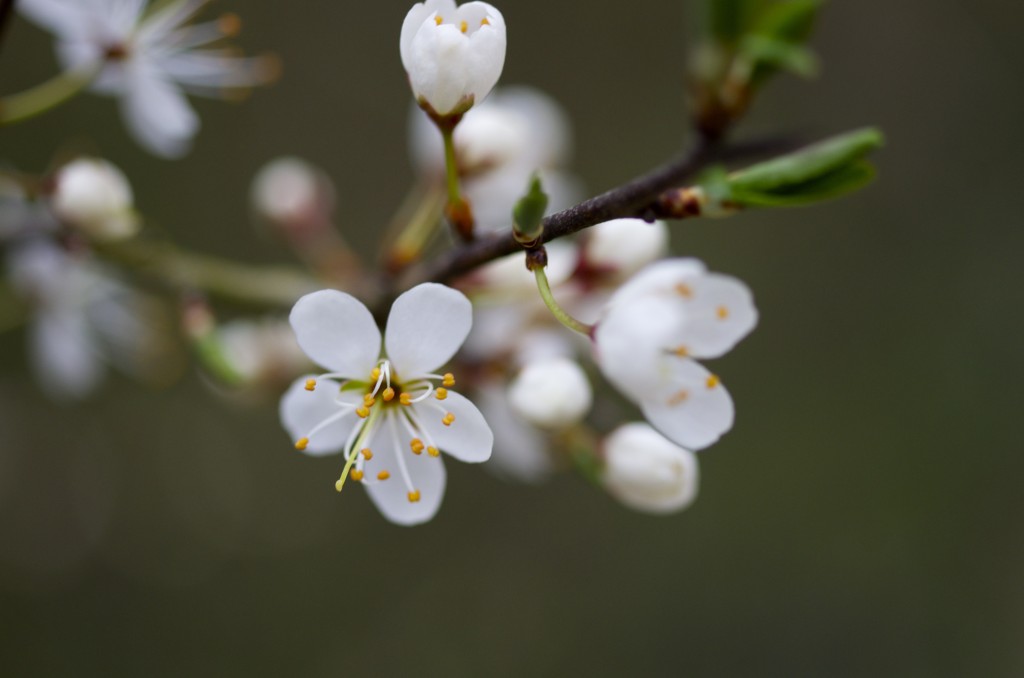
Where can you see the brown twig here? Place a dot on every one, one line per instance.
(6, 11)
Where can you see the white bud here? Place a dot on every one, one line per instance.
(625, 245)
(551, 393)
(453, 55)
(647, 472)
(95, 196)
(289, 189)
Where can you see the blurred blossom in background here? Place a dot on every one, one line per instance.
(861, 518)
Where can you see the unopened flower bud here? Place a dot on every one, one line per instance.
(552, 393)
(647, 472)
(95, 197)
(290, 190)
(625, 245)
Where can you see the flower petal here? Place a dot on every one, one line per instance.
(391, 496)
(520, 450)
(719, 314)
(468, 438)
(690, 407)
(630, 344)
(427, 325)
(156, 111)
(302, 411)
(415, 19)
(338, 332)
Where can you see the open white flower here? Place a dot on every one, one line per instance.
(147, 57)
(453, 55)
(653, 328)
(95, 197)
(648, 473)
(389, 413)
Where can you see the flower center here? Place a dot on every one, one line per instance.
(386, 402)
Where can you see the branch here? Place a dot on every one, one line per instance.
(633, 199)
(6, 10)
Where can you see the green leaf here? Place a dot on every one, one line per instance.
(768, 55)
(790, 21)
(528, 214)
(807, 164)
(826, 187)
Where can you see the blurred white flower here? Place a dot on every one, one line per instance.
(95, 197)
(521, 451)
(453, 55)
(648, 473)
(551, 393)
(624, 246)
(82, 318)
(149, 57)
(383, 413)
(289, 190)
(652, 329)
(261, 351)
(498, 146)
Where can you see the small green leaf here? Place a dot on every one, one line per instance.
(528, 214)
(790, 21)
(826, 187)
(768, 54)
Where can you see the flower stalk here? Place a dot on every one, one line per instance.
(563, 316)
(45, 96)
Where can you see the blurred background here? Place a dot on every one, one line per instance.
(863, 517)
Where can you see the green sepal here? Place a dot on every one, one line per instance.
(528, 214)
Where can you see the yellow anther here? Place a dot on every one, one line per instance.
(441, 393)
(438, 20)
(339, 484)
(713, 381)
(301, 444)
(679, 398)
(433, 452)
(363, 412)
(722, 312)
(684, 290)
(383, 475)
(414, 496)
(416, 445)
(389, 394)
(681, 351)
(310, 384)
(463, 27)
(367, 454)
(369, 400)
(449, 380)
(485, 22)
(229, 24)
(405, 399)
(355, 474)
(448, 419)
(375, 374)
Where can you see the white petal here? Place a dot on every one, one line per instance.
(156, 112)
(689, 407)
(391, 496)
(487, 46)
(64, 353)
(338, 332)
(659, 277)
(426, 326)
(646, 472)
(551, 394)
(440, 66)
(624, 246)
(468, 438)
(520, 450)
(301, 411)
(630, 344)
(416, 19)
(719, 314)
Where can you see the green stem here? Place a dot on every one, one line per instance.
(560, 313)
(454, 196)
(43, 97)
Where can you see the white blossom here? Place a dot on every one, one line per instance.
(453, 55)
(148, 57)
(388, 413)
(647, 472)
(261, 350)
(95, 197)
(652, 330)
(624, 246)
(551, 393)
(289, 190)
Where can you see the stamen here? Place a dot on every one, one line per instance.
(681, 351)
(367, 454)
(383, 475)
(389, 394)
(311, 384)
(339, 484)
(405, 399)
(402, 468)
(416, 445)
(464, 27)
(363, 412)
(369, 400)
(679, 398)
(355, 474)
(229, 24)
(414, 496)
(722, 312)
(433, 452)
(485, 22)
(713, 381)
(426, 394)
(441, 393)
(438, 20)
(448, 419)
(449, 378)
(684, 290)
(375, 374)
(301, 444)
